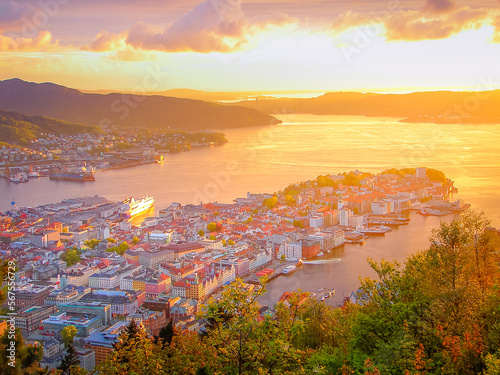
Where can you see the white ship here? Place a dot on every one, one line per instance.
(133, 207)
(288, 270)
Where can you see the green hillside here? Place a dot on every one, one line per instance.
(20, 129)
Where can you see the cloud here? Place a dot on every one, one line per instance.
(413, 25)
(106, 41)
(211, 26)
(43, 42)
(352, 19)
(12, 14)
(439, 6)
(496, 25)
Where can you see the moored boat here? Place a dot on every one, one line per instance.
(19, 178)
(288, 270)
(133, 207)
(78, 175)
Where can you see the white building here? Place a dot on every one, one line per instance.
(260, 259)
(344, 215)
(381, 207)
(421, 172)
(316, 221)
(291, 250)
(159, 237)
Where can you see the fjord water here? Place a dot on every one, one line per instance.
(266, 159)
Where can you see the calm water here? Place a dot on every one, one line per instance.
(266, 159)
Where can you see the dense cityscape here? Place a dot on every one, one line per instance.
(248, 187)
(84, 263)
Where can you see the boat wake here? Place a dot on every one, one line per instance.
(322, 261)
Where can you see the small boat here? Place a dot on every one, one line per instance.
(19, 178)
(32, 173)
(320, 254)
(374, 231)
(289, 270)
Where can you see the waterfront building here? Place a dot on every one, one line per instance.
(259, 259)
(310, 248)
(290, 249)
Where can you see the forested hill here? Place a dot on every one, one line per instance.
(48, 99)
(19, 129)
(434, 107)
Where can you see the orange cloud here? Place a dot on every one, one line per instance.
(496, 25)
(414, 25)
(439, 6)
(41, 43)
(106, 41)
(211, 26)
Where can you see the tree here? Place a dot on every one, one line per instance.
(27, 357)
(135, 240)
(120, 249)
(271, 202)
(68, 333)
(71, 256)
(92, 243)
(201, 233)
(70, 362)
(298, 224)
(212, 227)
(230, 243)
(134, 353)
(167, 333)
(289, 200)
(247, 342)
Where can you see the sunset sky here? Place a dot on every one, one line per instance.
(154, 45)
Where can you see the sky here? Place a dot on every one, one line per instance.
(241, 45)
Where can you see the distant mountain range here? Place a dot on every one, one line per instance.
(20, 129)
(48, 99)
(432, 106)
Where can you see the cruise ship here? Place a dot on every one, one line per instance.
(133, 207)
